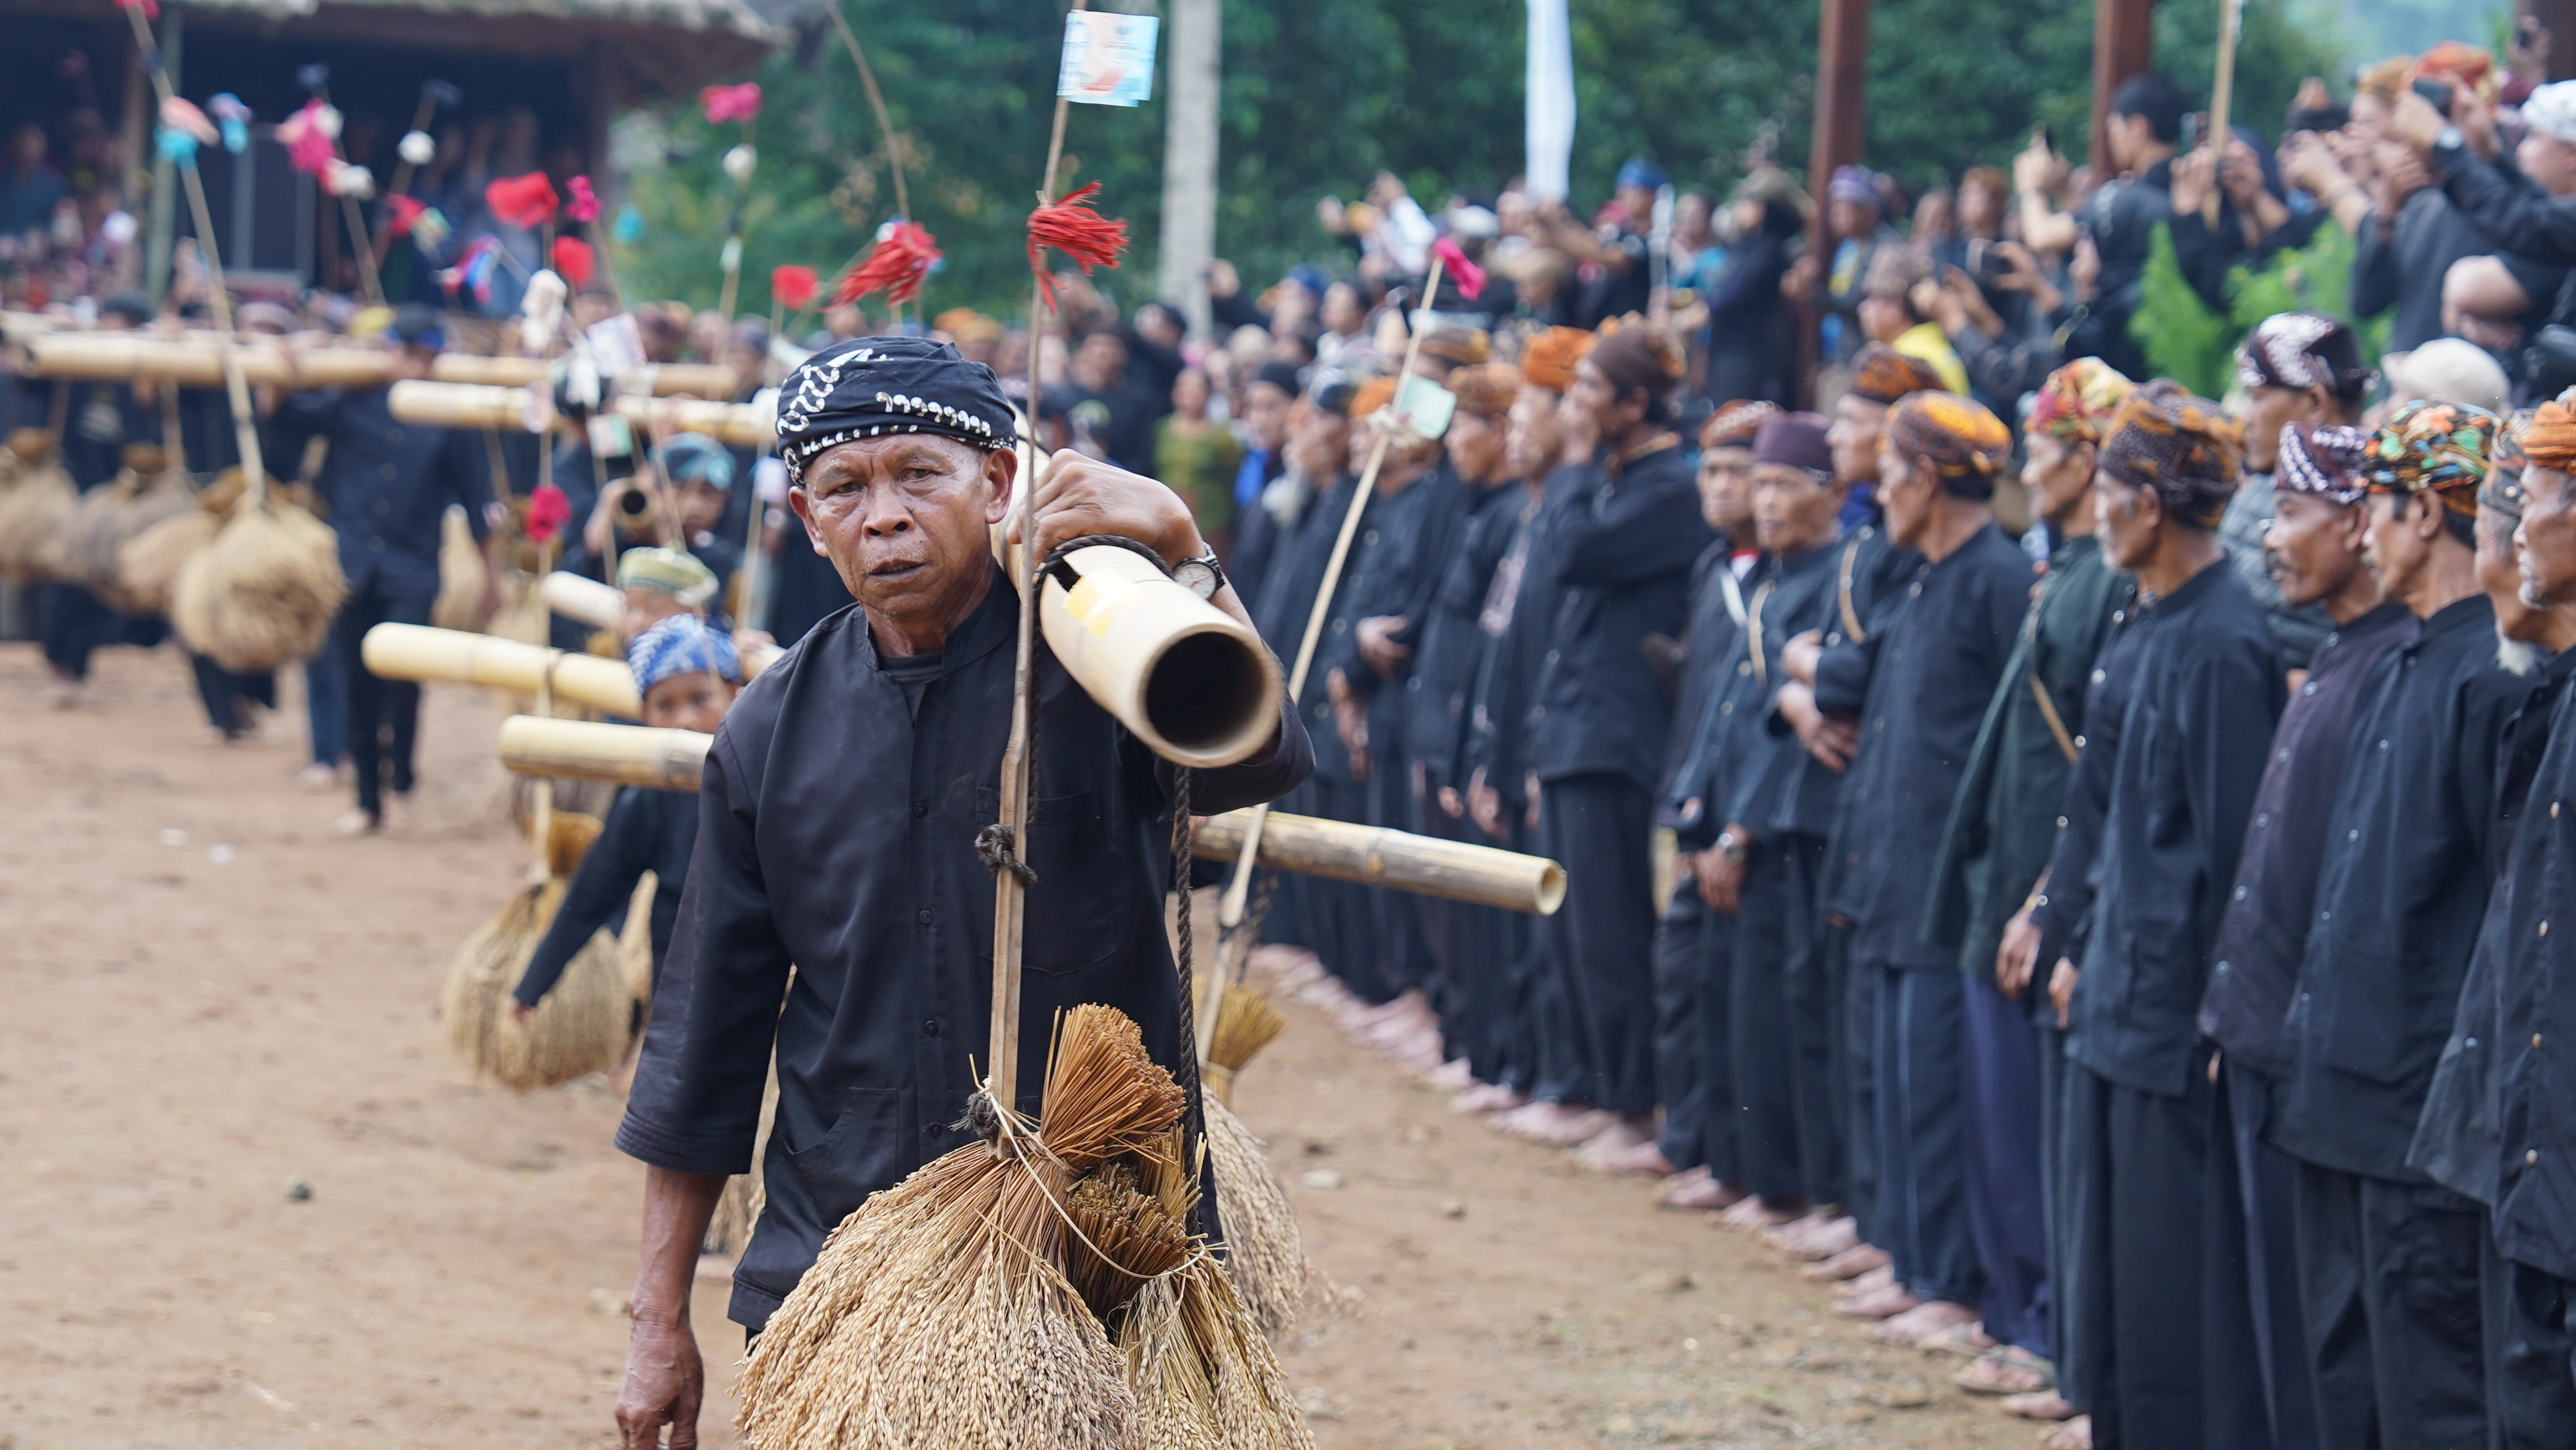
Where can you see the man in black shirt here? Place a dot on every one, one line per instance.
(2316, 540)
(1931, 670)
(2191, 748)
(389, 484)
(2389, 1261)
(837, 910)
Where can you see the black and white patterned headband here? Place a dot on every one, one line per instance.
(874, 386)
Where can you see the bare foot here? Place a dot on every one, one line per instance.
(1851, 1263)
(2008, 1369)
(1861, 1286)
(1695, 1189)
(1967, 1339)
(1453, 1076)
(358, 823)
(1921, 1322)
(1289, 967)
(2075, 1434)
(1887, 1303)
(1562, 1124)
(1626, 1146)
(1810, 1240)
(1760, 1213)
(2042, 1405)
(1489, 1097)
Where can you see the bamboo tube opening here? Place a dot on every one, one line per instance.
(1194, 684)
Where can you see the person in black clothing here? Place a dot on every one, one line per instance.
(389, 484)
(1267, 403)
(1754, 846)
(1748, 317)
(837, 911)
(2146, 121)
(2191, 747)
(687, 673)
(1113, 406)
(2316, 542)
(2295, 367)
(1931, 667)
(2496, 1125)
(1880, 376)
(1622, 552)
(98, 421)
(2388, 1260)
(1695, 1080)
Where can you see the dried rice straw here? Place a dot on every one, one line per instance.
(462, 575)
(263, 593)
(36, 494)
(581, 1027)
(147, 568)
(142, 494)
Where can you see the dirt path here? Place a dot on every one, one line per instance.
(209, 1004)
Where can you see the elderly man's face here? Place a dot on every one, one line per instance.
(1853, 437)
(2313, 545)
(2546, 542)
(905, 521)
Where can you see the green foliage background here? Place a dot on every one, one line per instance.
(1320, 94)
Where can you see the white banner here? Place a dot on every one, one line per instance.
(1549, 119)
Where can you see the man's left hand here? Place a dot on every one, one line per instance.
(1378, 644)
(1079, 495)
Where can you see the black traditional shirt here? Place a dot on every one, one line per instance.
(1518, 617)
(2193, 737)
(1717, 612)
(2275, 897)
(836, 833)
(2004, 822)
(646, 830)
(1623, 559)
(2534, 1217)
(1779, 788)
(2459, 1142)
(1938, 660)
(388, 483)
(1448, 641)
(2400, 895)
(1371, 573)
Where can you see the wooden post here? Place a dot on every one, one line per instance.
(1190, 156)
(2124, 44)
(1842, 137)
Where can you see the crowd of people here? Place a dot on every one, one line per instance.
(2069, 859)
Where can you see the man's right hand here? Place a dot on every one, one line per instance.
(2018, 957)
(2061, 990)
(1484, 804)
(1721, 881)
(1832, 742)
(665, 1383)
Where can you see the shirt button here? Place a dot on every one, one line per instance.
(2118, 615)
(2222, 969)
(2079, 742)
(920, 809)
(2240, 893)
(1726, 707)
(1914, 591)
(2535, 1039)
(2283, 754)
(1551, 657)
(2383, 745)
(2530, 1156)
(2061, 823)
(2352, 835)
(1744, 668)
(2097, 677)
(376, 543)
(923, 917)
(2262, 818)
(930, 1028)
(2329, 916)
(2309, 688)
(384, 506)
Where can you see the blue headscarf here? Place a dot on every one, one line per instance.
(681, 645)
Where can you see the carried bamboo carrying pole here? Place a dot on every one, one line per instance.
(2231, 21)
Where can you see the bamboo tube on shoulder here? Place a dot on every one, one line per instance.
(626, 754)
(197, 361)
(417, 652)
(1194, 684)
(1374, 856)
(584, 600)
(470, 405)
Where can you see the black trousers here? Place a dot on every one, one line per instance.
(1772, 932)
(2138, 1344)
(1683, 1035)
(224, 693)
(384, 715)
(2258, 1327)
(1921, 1123)
(1472, 950)
(73, 624)
(2005, 1179)
(1853, 1083)
(1814, 988)
(1395, 931)
(1340, 916)
(2389, 1275)
(2063, 1162)
(1599, 828)
(2531, 1352)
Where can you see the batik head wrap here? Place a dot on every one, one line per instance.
(2302, 350)
(1547, 360)
(2077, 401)
(1797, 440)
(1465, 346)
(2185, 448)
(1486, 391)
(1370, 396)
(1634, 355)
(2549, 440)
(668, 571)
(2324, 461)
(1735, 424)
(2430, 445)
(682, 644)
(1957, 438)
(878, 385)
(1882, 375)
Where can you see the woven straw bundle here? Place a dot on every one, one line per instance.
(1265, 1253)
(147, 568)
(35, 496)
(142, 494)
(461, 575)
(582, 1026)
(263, 593)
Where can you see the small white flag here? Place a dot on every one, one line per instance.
(1108, 58)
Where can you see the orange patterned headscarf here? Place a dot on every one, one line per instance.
(1547, 360)
(1881, 374)
(2077, 401)
(1956, 437)
(2186, 448)
(2550, 440)
(1733, 425)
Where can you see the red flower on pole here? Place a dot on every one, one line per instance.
(1073, 228)
(584, 206)
(548, 512)
(526, 202)
(792, 286)
(309, 135)
(574, 261)
(406, 212)
(903, 255)
(730, 103)
(151, 11)
(1469, 277)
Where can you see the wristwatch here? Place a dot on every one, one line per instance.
(1203, 575)
(2450, 139)
(1731, 846)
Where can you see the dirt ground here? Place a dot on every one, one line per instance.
(251, 1201)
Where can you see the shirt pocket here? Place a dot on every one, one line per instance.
(2379, 1023)
(862, 1152)
(1071, 915)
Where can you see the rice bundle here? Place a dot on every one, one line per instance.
(1245, 1024)
(147, 568)
(143, 493)
(581, 1027)
(939, 1312)
(635, 943)
(263, 593)
(1265, 1252)
(36, 494)
(462, 576)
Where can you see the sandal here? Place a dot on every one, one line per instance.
(2006, 1369)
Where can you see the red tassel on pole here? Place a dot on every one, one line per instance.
(895, 266)
(1073, 228)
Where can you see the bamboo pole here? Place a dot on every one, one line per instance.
(418, 652)
(467, 405)
(197, 362)
(1400, 860)
(583, 600)
(2231, 19)
(1229, 913)
(1197, 686)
